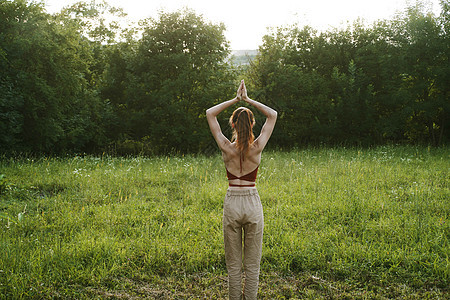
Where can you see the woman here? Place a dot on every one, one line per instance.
(242, 209)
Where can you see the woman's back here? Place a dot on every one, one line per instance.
(239, 164)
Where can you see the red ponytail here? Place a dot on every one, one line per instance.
(242, 121)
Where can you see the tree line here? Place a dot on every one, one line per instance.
(82, 81)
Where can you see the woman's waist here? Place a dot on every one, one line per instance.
(241, 191)
(239, 183)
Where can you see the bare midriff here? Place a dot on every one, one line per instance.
(241, 184)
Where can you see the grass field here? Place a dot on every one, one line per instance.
(339, 224)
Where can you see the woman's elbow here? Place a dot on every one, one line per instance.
(273, 114)
(209, 113)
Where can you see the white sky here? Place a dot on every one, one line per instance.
(247, 20)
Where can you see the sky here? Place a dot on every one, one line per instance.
(247, 21)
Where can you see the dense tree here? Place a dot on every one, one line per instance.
(80, 81)
(168, 78)
(426, 76)
(360, 84)
(48, 104)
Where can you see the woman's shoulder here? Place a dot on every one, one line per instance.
(255, 148)
(229, 151)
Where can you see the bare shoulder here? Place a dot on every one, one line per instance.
(257, 148)
(255, 153)
(266, 131)
(229, 151)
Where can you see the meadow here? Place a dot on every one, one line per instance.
(339, 224)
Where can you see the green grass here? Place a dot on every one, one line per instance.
(339, 223)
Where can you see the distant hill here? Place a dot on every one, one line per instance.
(242, 57)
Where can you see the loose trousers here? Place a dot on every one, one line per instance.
(243, 225)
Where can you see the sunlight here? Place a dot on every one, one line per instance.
(247, 21)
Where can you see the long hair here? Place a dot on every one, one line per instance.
(243, 121)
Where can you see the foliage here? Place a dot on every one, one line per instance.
(82, 81)
(339, 223)
(48, 101)
(162, 83)
(3, 183)
(98, 21)
(359, 85)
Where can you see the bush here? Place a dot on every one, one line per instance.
(3, 184)
(132, 147)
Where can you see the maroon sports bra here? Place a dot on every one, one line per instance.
(247, 177)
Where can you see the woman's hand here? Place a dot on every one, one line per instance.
(242, 91)
(239, 92)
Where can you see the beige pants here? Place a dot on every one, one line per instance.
(243, 214)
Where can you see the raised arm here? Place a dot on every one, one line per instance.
(270, 114)
(211, 116)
